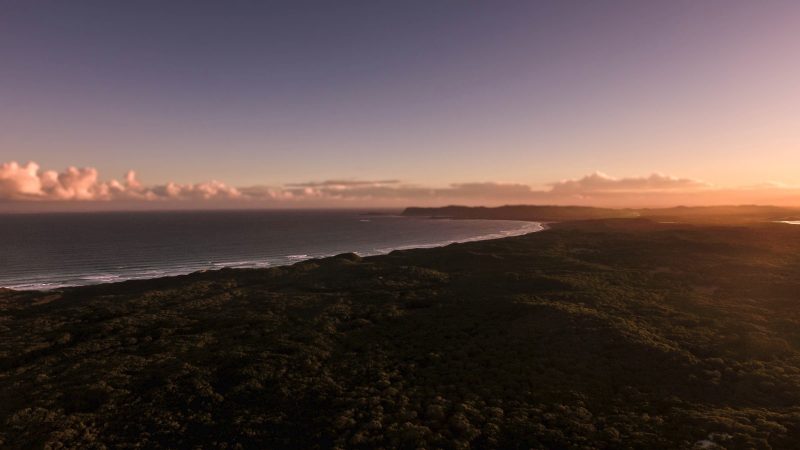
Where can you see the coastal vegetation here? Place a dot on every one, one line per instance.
(596, 334)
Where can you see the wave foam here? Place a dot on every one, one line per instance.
(143, 272)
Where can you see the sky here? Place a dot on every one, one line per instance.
(149, 104)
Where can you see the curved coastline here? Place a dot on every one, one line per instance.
(42, 284)
(533, 337)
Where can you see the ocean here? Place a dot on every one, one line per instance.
(48, 251)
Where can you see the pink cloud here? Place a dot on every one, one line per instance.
(598, 183)
(343, 184)
(489, 189)
(27, 182)
(19, 182)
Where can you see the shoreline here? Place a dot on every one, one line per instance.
(521, 338)
(105, 278)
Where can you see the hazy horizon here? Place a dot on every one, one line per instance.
(208, 240)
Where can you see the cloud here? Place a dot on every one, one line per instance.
(488, 189)
(200, 191)
(346, 189)
(27, 182)
(29, 185)
(597, 189)
(391, 189)
(18, 182)
(365, 190)
(596, 184)
(343, 184)
(600, 183)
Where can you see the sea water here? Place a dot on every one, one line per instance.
(46, 251)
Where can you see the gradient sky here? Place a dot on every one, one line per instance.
(429, 92)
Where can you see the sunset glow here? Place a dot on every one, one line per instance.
(453, 102)
(420, 224)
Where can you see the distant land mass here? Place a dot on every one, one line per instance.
(549, 213)
(522, 212)
(614, 332)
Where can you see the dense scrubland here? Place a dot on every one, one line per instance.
(614, 333)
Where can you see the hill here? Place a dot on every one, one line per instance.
(618, 333)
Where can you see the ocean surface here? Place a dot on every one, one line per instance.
(47, 251)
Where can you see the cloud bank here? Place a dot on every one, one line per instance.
(29, 185)
(27, 182)
(600, 183)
